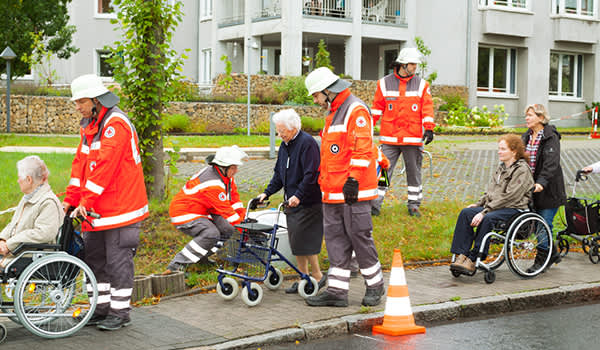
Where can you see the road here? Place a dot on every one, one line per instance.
(570, 328)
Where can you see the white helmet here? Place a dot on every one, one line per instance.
(226, 156)
(409, 55)
(319, 80)
(90, 86)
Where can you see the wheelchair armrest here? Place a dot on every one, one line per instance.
(34, 246)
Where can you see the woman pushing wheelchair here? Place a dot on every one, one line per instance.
(509, 190)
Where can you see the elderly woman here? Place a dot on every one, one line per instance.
(508, 191)
(296, 172)
(542, 148)
(39, 213)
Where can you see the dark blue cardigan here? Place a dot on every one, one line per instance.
(297, 170)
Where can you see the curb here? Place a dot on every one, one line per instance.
(425, 314)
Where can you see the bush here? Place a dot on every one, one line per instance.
(476, 116)
(593, 105)
(312, 125)
(176, 123)
(186, 91)
(293, 90)
(452, 102)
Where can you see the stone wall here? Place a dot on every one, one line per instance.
(57, 115)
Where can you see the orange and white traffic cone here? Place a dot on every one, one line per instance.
(594, 134)
(398, 317)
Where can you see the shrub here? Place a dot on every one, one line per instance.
(185, 91)
(294, 90)
(312, 125)
(176, 123)
(476, 116)
(452, 102)
(593, 105)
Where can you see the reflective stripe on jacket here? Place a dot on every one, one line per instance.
(106, 174)
(207, 192)
(347, 150)
(405, 107)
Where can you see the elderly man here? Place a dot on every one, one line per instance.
(296, 172)
(39, 213)
(348, 180)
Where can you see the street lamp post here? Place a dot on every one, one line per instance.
(8, 54)
(250, 45)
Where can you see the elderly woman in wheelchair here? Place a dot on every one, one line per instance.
(501, 216)
(53, 293)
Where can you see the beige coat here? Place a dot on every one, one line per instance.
(509, 188)
(36, 220)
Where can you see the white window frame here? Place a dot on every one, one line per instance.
(509, 73)
(578, 78)
(206, 10)
(558, 9)
(97, 53)
(511, 5)
(101, 15)
(205, 66)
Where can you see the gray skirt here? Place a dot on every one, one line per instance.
(305, 229)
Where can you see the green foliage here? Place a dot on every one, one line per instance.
(176, 123)
(425, 51)
(35, 89)
(464, 116)
(322, 56)
(452, 102)
(227, 79)
(24, 20)
(39, 59)
(312, 125)
(185, 91)
(145, 66)
(293, 90)
(593, 105)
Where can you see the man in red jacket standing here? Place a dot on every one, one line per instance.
(404, 104)
(107, 178)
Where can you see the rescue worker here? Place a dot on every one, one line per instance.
(348, 180)
(207, 207)
(404, 104)
(107, 178)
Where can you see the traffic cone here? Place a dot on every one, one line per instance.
(398, 317)
(594, 134)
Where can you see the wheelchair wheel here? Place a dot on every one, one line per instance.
(489, 277)
(524, 239)
(3, 333)
(495, 255)
(51, 297)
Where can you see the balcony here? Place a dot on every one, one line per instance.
(268, 9)
(576, 30)
(501, 21)
(384, 11)
(235, 11)
(327, 8)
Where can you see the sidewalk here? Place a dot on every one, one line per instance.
(206, 321)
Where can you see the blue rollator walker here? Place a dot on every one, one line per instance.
(249, 256)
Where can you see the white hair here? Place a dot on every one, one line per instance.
(33, 166)
(289, 118)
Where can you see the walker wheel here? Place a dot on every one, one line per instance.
(308, 289)
(489, 277)
(563, 247)
(274, 279)
(252, 295)
(229, 288)
(3, 333)
(593, 254)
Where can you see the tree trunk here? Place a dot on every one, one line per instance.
(157, 170)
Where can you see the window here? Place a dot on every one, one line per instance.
(105, 9)
(205, 9)
(496, 68)
(510, 3)
(205, 63)
(585, 8)
(103, 68)
(566, 72)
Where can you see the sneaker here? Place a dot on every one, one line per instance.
(293, 289)
(373, 296)
(323, 282)
(414, 212)
(96, 318)
(112, 323)
(327, 299)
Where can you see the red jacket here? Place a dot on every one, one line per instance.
(107, 176)
(347, 150)
(405, 107)
(208, 192)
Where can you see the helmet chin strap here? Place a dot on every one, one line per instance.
(404, 67)
(94, 109)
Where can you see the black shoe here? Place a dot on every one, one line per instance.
(538, 262)
(96, 318)
(414, 212)
(327, 299)
(293, 289)
(323, 282)
(555, 258)
(112, 323)
(373, 296)
(375, 211)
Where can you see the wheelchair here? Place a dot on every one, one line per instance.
(515, 241)
(47, 290)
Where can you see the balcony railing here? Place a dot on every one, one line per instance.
(327, 8)
(384, 11)
(269, 8)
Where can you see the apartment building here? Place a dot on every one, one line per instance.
(510, 52)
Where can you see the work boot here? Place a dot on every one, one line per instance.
(323, 282)
(327, 299)
(466, 266)
(293, 289)
(96, 318)
(112, 323)
(538, 263)
(375, 211)
(555, 258)
(457, 262)
(414, 212)
(373, 296)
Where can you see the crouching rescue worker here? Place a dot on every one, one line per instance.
(207, 207)
(107, 178)
(348, 183)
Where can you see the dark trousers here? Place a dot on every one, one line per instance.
(466, 240)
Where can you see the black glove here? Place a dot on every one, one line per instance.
(428, 136)
(253, 203)
(350, 191)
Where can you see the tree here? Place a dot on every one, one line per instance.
(146, 66)
(25, 20)
(322, 56)
(425, 51)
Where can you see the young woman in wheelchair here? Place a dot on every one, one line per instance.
(38, 215)
(508, 192)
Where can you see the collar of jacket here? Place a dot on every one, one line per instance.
(39, 192)
(224, 178)
(404, 79)
(90, 125)
(339, 99)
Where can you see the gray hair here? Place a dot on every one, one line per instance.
(540, 111)
(289, 118)
(35, 167)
